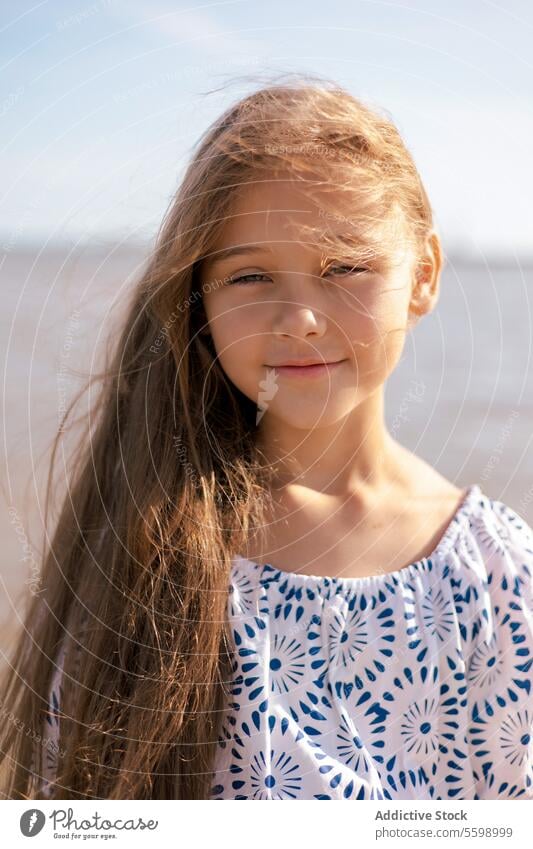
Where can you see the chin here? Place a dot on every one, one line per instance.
(297, 418)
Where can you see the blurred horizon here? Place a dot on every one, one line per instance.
(454, 256)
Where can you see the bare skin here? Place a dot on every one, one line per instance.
(357, 536)
(349, 500)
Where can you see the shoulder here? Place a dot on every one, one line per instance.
(512, 527)
(488, 547)
(494, 552)
(505, 534)
(508, 540)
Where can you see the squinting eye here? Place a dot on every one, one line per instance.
(349, 269)
(237, 280)
(244, 279)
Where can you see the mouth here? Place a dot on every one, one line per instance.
(310, 370)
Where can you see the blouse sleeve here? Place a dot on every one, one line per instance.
(499, 668)
(50, 729)
(50, 734)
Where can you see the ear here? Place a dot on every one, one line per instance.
(426, 278)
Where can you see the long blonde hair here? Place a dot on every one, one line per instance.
(167, 482)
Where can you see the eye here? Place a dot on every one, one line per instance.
(240, 281)
(347, 269)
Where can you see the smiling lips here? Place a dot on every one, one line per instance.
(307, 369)
(306, 362)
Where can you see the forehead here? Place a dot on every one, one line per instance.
(282, 207)
(269, 209)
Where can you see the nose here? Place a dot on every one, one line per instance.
(294, 319)
(294, 316)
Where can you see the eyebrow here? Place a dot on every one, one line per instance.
(236, 250)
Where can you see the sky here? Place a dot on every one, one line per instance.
(101, 104)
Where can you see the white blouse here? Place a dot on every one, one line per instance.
(414, 684)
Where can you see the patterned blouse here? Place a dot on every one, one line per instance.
(414, 684)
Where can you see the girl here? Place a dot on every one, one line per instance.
(253, 591)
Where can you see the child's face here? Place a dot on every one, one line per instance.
(292, 309)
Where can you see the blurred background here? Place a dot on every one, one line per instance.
(100, 104)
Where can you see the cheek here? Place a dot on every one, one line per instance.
(234, 333)
(375, 330)
(238, 348)
(374, 316)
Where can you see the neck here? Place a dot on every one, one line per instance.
(354, 455)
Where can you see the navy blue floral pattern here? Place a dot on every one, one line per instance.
(414, 684)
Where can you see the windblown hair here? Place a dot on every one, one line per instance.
(167, 482)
